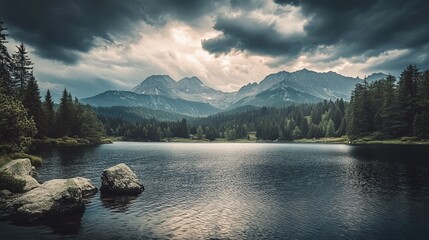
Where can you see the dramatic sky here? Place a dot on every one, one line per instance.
(90, 46)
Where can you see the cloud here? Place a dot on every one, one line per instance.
(244, 33)
(92, 46)
(348, 28)
(61, 30)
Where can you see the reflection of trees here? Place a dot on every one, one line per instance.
(117, 203)
(74, 155)
(68, 225)
(387, 170)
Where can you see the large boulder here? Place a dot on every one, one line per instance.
(54, 198)
(21, 167)
(120, 180)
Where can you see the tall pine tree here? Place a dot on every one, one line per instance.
(33, 104)
(22, 70)
(6, 84)
(64, 115)
(49, 113)
(407, 96)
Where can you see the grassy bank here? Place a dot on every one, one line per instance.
(35, 160)
(71, 141)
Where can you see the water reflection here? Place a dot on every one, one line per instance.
(388, 170)
(252, 191)
(117, 203)
(66, 225)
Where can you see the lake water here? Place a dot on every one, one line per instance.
(246, 191)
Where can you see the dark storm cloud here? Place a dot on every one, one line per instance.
(59, 30)
(244, 33)
(364, 27)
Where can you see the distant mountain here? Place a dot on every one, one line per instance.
(281, 95)
(157, 102)
(329, 85)
(188, 88)
(160, 85)
(376, 76)
(190, 96)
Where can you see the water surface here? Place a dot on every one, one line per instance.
(246, 191)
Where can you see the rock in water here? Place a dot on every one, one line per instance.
(21, 167)
(53, 198)
(85, 186)
(120, 179)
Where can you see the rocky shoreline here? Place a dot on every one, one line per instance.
(58, 197)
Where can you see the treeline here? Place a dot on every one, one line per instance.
(387, 108)
(324, 119)
(144, 130)
(23, 115)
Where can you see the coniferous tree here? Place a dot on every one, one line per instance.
(22, 70)
(6, 83)
(200, 132)
(49, 113)
(330, 129)
(91, 127)
(391, 122)
(64, 115)
(358, 116)
(407, 96)
(33, 104)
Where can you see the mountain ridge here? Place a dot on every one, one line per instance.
(191, 95)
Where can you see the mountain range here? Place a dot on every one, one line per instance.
(190, 96)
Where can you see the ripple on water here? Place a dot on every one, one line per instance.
(247, 191)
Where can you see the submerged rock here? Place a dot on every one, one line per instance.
(120, 180)
(19, 167)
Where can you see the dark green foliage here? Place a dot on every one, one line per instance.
(358, 115)
(421, 125)
(22, 113)
(16, 127)
(49, 114)
(200, 132)
(6, 83)
(33, 104)
(279, 123)
(212, 133)
(22, 70)
(75, 119)
(407, 93)
(10, 183)
(391, 110)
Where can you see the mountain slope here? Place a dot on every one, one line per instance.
(277, 96)
(329, 85)
(137, 114)
(188, 88)
(157, 102)
(192, 97)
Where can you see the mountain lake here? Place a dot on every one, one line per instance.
(245, 191)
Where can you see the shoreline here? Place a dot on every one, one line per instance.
(315, 141)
